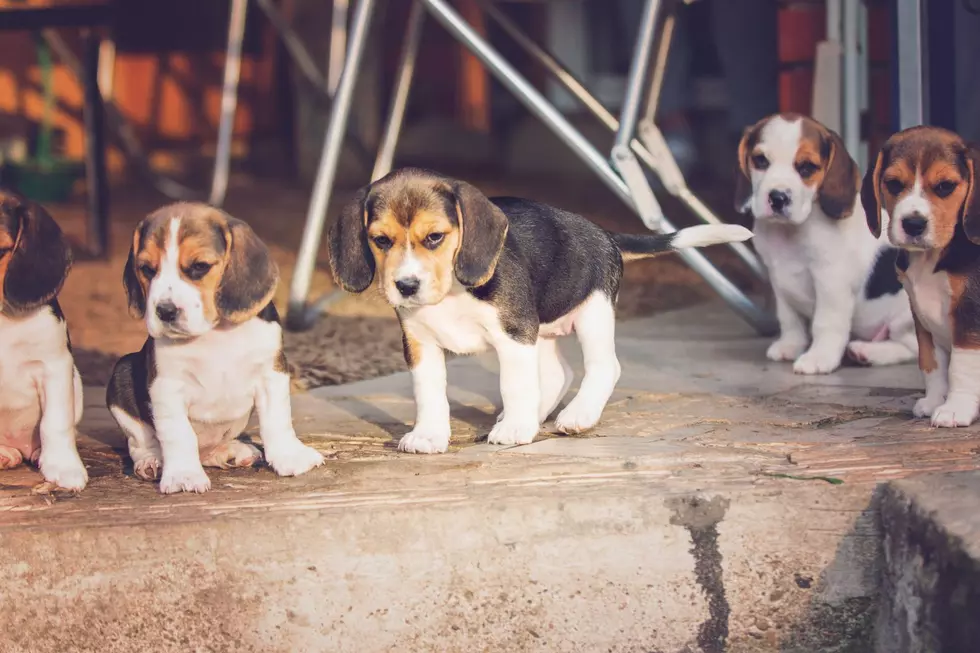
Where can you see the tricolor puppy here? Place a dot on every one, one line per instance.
(835, 284)
(40, 389)
(925, 182)
(204, 283)
(466, 273)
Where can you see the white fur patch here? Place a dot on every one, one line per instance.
(710, 234)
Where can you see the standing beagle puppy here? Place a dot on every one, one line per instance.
(466, 273)
(835, 285)
(925, 181)
(40, 389)
(204, 283)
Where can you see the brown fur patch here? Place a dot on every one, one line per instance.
(927, 348)
(965, 310)
(7, 242)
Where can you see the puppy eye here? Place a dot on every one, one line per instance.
(382, 242)
(433, 240)
(5, 250)
(198, 270)
(147, 271)
(894, 186)
(760, 162)
(944, 188)
(806, 169)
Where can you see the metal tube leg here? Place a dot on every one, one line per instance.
(399, 98)
(910, 81)
(297, 51)
(299, 288)
(638, 74)
(338, 44)
(578, 90)
(98, 188)
(660, 66)
(852, 93)
(541, 108)
(229, 101)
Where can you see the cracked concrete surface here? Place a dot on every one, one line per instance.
(567, 544)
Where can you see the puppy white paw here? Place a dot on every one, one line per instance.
(816, 362)
(63, 468)
(578, 416)
(860, 352)
(957, 411)
(512, 431)
(927, 405)
(786, 349)
(186, 479)
(426, 438)
(293, 459)
(147, 468)
(10, 457)
(233, 453)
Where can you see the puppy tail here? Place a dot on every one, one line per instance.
(637, 247)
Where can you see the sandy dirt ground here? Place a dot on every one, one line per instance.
(359, 337)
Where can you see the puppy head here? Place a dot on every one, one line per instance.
(34, 255)
(192, 267)
(786, 163)
(416, 233)
(925, 181)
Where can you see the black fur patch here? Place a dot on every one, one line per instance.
(902, 260)
(129, 386)
(270, 314)
(883, 279)
(552, 261)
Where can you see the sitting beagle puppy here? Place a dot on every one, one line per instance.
(835, 285)
(204, 283)
(925, 181)
(465, 273)
(40, 389)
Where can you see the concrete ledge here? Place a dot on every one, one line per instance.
(930, 588)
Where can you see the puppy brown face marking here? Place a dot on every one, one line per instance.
(416, 234)
(923, 178)
(787, 163)
(192, 267)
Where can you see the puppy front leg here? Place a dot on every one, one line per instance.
(831, 325)
(59, 461)
(283, 450)
(520, 392)
(428, 364)
(182, 469)
(934, 364)
(793, 338)
(963, 399)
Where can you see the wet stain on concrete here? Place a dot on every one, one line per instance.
(701, 516)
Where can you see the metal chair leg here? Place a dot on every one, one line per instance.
(98, 187)
(654, 164)
(298, 316)
(229, 101)
(539, 106)
(399, 98)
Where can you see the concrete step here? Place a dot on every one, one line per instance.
(723, 504)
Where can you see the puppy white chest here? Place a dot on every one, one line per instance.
(785, 254)
(220, 371)
(26, 344)
(460, 323)
(931, 296)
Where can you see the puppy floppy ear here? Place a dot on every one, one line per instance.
(250, 275)
(871, 195)
(351, 260)
(134, 289)
(970, 213)
(483, 229)
(839, 187)
(743, 178)
(40, 259)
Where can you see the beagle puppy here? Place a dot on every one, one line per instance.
(465, 273)
(40, 388)
(204, 282)
(925, 181)
(835, 284)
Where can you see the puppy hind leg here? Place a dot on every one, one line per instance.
(10, 457)
(595, 327)
(144, 448)
(233, 453)
(556, 376)
(901, 346)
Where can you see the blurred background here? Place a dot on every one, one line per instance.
(159, 68)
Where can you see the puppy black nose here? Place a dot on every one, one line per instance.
(778, 200)
(914, 225)
(408, 287)
(167, 312)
